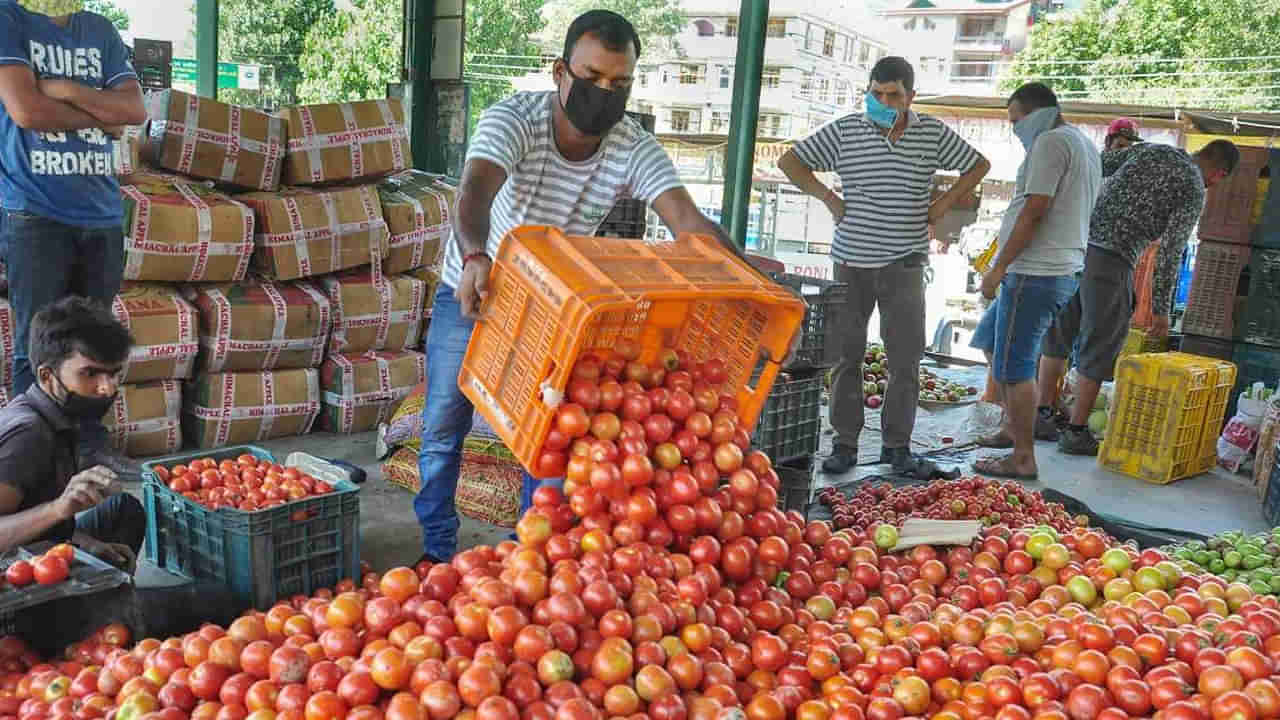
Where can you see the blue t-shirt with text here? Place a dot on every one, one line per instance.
(64, 176)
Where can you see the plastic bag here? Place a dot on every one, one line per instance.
(1240, 435)
(984, 419)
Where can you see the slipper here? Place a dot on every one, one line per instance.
(999, 468)
(998, 441)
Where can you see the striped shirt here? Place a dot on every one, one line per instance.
(886, 185)
(543, 188)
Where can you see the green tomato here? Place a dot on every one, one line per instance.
(886, 536)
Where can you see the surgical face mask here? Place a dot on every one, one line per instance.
(879, 113)
(1033, 124)
(591, 108)
(52, 8)
(87, 407)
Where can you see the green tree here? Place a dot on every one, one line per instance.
(1116, 40)
(498, 45)
(657, 22)
(269, 33)
(110, 11)
(353, 54)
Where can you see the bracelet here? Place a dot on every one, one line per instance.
(475, 256)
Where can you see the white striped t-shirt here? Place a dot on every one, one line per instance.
(886, 185)
(543, 188)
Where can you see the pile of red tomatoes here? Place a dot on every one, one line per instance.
(245, 483)
(971, 498)
(50, 568)
(668, 586)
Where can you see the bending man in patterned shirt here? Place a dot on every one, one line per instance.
(1151, 191)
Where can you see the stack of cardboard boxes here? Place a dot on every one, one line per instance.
(276, 304)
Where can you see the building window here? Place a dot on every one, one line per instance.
(644, 108)
(864, 54)
(680, 121)
(731, 27)
(929, 24)
(811, 38)
(769, 125)
(692, 74)
(806, 87)
(829, 43)
(849, 48)
(978, 27)
(705, 28)
(842, 93)
(719, 121)
(644, 79)
(909, 24)
(824, 90)
(725, 76)
(777, 27)
(666, 77)
(771, 77)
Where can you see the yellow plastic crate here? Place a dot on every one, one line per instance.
(1139, 342)
(1166, 416)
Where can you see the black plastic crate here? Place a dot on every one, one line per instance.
(820, 341)
(295, 548)
(626, 220)
(1254, 363)
(791, 421)
(796, 481)
(1271, 502)
(1262, 312)
(1207, 347)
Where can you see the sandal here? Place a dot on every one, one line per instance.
(998, 441)
(1001, 467)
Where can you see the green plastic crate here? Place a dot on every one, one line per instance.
(263, 556)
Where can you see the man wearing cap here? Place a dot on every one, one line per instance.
(1122, 133)
(1151, 191)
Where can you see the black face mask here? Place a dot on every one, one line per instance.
(87, 407)
(591, 108)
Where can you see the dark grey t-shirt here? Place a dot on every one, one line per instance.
(38, 453)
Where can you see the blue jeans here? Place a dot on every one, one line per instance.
(1015, 324)
(47, 261)
(446, 420)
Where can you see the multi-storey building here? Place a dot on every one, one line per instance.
(958, 47)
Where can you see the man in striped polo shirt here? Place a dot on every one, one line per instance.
(561, 158)
(885, 158)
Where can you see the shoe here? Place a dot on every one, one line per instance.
(330, 471)
(1078, 442)
(1046, 426)
(900, 458)
(124, 468)
(842, 460)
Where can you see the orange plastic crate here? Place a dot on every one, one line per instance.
(553, 297)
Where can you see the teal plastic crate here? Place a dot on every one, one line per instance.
(263, 556)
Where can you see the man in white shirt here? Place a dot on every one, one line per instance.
(1042, 249)
(561, 158)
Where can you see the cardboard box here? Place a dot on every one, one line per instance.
(361, 391)
(145, 422)
(346, 141)
(431, 276)
(301, 233)
(128, 155)
(261, 325)
(164, 331)
(178, 231)
(374, 312)
(418, 208)
(237, 408)
(204, 138)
